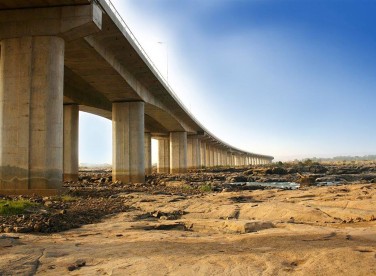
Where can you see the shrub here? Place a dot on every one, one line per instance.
(8, 207)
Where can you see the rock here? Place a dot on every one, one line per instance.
(48, 204)
(63, 212)
(231, 226)
(236, 178)
(250, 179)
(37, 227)
(19, 229)
(317, 169)
(248, 172)
(307, 180)
(78, 264)
(278, 170)
(292, 170)
(175, 184)
(8, 229)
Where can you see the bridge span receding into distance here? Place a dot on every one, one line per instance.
(59, 57)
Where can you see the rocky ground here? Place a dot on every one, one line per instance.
(199, 223)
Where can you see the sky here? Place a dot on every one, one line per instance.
(289, 78)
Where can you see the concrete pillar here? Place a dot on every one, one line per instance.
(194, 153)
(215, 156)
(178, 152)
(212, 161)
(163, 155)
(31, 115)
(128, 147)
(71, 125)
(203, 153)
(224, 158)
(148, 164)
(207, 154)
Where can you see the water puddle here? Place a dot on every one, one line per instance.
(283, 185)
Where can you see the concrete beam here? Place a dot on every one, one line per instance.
(128, 164)
(70, 22)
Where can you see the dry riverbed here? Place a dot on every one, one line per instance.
(175, 229)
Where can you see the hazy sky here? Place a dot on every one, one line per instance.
(288, 78)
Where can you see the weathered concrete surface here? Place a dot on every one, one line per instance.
(128, 142)
(70, 22)
(70, 165)
(163, 165)
(193, 153)
(178, 152)
(148, 163)
(31, 113)
(203, 153)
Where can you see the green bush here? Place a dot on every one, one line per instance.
(206, 188)
(8, 207)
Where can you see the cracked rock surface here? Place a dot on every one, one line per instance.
(311, 231)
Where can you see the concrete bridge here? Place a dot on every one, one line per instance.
(62, 56)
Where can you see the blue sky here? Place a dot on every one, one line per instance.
(292, 79)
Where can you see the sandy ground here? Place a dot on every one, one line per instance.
(316, 231)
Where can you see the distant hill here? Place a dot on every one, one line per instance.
(88, 165)
(345, 158)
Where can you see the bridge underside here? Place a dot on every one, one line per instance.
(59, 57)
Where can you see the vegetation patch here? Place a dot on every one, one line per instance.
(9, 207)
(69, 198)
(206, 188)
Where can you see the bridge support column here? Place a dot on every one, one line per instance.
(71, 125)
(148, 164)
(203, 153)
(163, 155)
(194, 153)
(215, 156)
(211, 151)
(224, 158)
(207, 153)
(178, 152)
(128, 164)
(31, 112)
